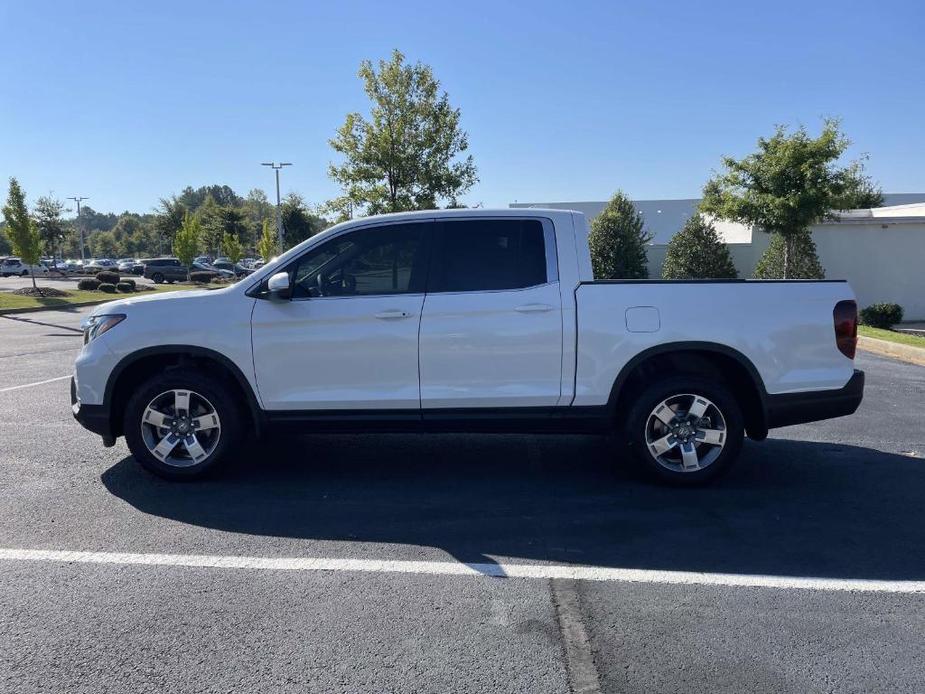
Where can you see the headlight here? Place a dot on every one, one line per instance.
(94, 326)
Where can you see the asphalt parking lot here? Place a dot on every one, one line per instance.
(839, 501)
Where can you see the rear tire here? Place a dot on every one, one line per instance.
(685, 430)
(157, 278)
(180, 425)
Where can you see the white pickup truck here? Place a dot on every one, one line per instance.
(466, 320)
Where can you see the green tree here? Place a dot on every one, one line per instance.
(697, 252)
(618, 241)
(299, 223)
(186, 243)
(27, 243)
(407, 154)
(103, 244)
(49, 224)
(169, 216)
(790, 183)
(267, 245)
(862, 192)
(5, 246)
(231, 244)
(257, 209)
(804, 263)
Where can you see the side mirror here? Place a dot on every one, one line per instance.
(278, 286)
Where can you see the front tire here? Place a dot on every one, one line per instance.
(686, 430)
(157, 278)
(180, 425)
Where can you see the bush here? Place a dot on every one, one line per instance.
(129, 281)
(106, 277)
(697, 252)
(618, 241)
(88, 284)
(125, 287)
(804, 265)
(882, 315)
(108, 288)
(201, 277)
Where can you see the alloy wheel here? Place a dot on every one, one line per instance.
(180, 428)
(686, 433)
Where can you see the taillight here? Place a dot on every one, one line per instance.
(846, 327)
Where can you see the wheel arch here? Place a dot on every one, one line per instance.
(142, 364)
(702, 358)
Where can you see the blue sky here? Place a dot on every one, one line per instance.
(126, 102)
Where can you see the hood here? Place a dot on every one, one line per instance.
(190, 296)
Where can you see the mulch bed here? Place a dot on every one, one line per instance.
(40, 291)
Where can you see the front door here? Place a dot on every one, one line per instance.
(491, 329)
(348, 338)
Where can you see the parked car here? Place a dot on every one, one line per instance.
(203, 260)
(234, 268)
(467, 320)
(131, 266)
(161, 270)
(15, 266)
(216, 272)
(98, 265)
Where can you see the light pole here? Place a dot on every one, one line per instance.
(80, 227)
(279, 215)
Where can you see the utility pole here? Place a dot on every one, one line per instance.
(279, 215)
(80, 227)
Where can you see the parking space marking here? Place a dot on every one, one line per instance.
(37, 383)
(449, 568)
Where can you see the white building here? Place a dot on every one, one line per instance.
(880, 251)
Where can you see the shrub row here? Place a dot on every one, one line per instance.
(96, 284)
(882, 315)
(107, 277)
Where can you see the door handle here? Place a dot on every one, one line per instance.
(533, 308)
(392, 315)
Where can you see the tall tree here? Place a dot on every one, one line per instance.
(209, 214)
(257, 208)
(186, 243)
(5, 246)
(618, 241)
(790, 183)
(231, 244)
(27, 243)
(170, 214)
(299, 223)
(408, 154)
(48, 221)
(697, 252)
(267, 244)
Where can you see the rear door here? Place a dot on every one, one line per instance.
(491, 328)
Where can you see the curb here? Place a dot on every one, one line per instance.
(907, 353)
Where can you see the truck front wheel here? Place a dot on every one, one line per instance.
(180, 424)
(686, 430)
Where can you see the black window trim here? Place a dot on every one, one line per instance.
(293, 264)
(549, 248)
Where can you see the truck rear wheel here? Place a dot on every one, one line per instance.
(686, 430)
(179, 424)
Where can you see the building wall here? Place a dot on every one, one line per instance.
(881, 264)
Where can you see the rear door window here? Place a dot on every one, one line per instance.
(491, 254)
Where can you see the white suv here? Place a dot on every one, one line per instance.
(15, 266)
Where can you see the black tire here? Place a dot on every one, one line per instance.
(211, 390)
(157, 278)
(24, 273)
(639, 432)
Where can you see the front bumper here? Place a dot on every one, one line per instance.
(94, 418)
(798, 408)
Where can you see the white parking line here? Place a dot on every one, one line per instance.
(37, 383)
(447, 568)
